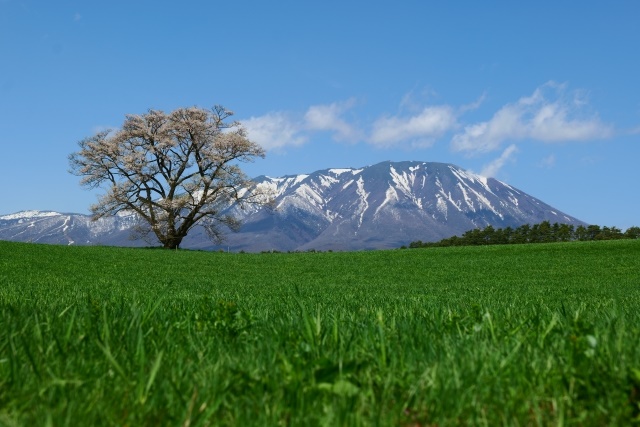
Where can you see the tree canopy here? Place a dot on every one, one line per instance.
(174, 170)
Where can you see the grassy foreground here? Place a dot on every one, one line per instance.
(544, 334)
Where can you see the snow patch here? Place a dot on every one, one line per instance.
(467, 199)
(364, 204)
(463, 175)
(327, 181)
(508, 186)
(391, 195)
(483, 200)
(299, 179)
(404, 183)
(65, 226)
(276, 180)
(448, 197)
(330, 215)
(271, 189)
(126, 214)
(340, 171)
(441, 205)
(29, 215)
(309, 195)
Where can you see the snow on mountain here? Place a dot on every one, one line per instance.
(380, 206)
(68, 229)
(22, 215)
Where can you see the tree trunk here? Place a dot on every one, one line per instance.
(171, 242)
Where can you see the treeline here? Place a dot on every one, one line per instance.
(545, 232)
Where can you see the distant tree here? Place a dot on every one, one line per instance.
(581, 233)
(452, 241)
(555, 232)
(609, 233)
(488, 235)
(565, 232)
(593, 231)
(632, 233)
(473, 237)
(416, 244)
(173, 170)
(534, 234)
(522, 234)
(498, 237)
(508, 234)
(543, 232)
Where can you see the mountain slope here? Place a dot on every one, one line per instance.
(381, 206)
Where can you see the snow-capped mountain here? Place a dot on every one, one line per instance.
(67, 228)
(381, 206)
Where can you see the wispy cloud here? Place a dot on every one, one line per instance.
(275, 130)
(474, 105)
(281, 129)
(421, 129)
(635, 131)
(548, 115)
(491, 169)
(415, 100)
(328, 118)
(547, 162)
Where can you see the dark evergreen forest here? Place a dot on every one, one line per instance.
(544, 232)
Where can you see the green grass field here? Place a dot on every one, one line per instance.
(545, 334)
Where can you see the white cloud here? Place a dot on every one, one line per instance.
(327, 118)
(635, 131)
(280, 129)
(421, 129)
(274, 130)
(414, 100)
(474, 105)
(491, 169)
(548, 115)
(548, 162)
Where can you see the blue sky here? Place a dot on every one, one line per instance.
(542, 95)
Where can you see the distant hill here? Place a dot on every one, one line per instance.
(381, 206)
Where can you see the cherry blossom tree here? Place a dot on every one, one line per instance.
(174, 170)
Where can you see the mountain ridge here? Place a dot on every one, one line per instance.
(385, 205)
